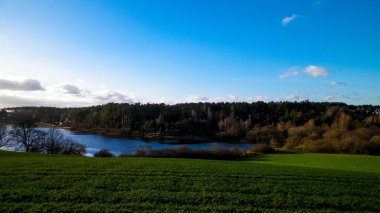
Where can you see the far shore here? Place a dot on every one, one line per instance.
(120, 133)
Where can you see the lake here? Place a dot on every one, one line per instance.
(117, 146)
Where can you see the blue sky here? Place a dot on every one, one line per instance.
(79, 53)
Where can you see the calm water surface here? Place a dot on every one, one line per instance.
(117, 146)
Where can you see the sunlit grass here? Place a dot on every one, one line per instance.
(344, 162)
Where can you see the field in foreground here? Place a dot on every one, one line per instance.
(286, 183)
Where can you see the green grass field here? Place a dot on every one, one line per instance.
(343, 162)
(281, 182)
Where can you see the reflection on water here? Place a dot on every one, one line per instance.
(117, 146)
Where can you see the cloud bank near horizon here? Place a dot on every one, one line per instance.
(30, 92)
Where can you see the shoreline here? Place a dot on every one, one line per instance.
(162, 138)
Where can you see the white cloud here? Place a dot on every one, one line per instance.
(196, 99)
(334, 84)
(54, 96)
(311, 70)
(164, 100)
(12, 101)
(228, 98)
(335, 97)
(51, 96)
(315, 71)
(70, 89)
(114, 96)
(293, 98)
(80, 81)
(26, 85)
(285, 21)
(20, 100)
(292, 72)
(258, 98)
(12, 94)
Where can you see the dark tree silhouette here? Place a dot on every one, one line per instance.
(4, 138)
(53, 140)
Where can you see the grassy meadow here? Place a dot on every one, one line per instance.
(271, 183)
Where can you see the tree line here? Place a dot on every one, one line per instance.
(24, 136)
(309, 126)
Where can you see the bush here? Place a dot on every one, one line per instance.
(103, 153)
(375, 139)
(374, 145)
(56, 143)
(364, 133)
(292, 142)
(318, 146)
(262, 148)
(349, 142)
(334, 134)
(70, 147)
(143, 151)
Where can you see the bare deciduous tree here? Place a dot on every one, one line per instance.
(4, 139)
(25, 135)
(53, 141)
(28, 139)
(70, 147)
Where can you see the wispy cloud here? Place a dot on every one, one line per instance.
(164, 100)
(316, 3)
(20, 100)
(293, 98)
(334, 84)
(70, 89)
(311, 71)
(335, 97)
(258, 98)
(26, 85)
(30, 92)
(291, 72)
(285, 21)
(196, 99)
(114, 96)
(315, 71)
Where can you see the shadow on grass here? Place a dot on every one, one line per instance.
(262, 157)
(216, 153)
(266, 157)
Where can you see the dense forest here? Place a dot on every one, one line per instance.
(312, 127)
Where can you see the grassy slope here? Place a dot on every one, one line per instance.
(30, 182)
(354, 163)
